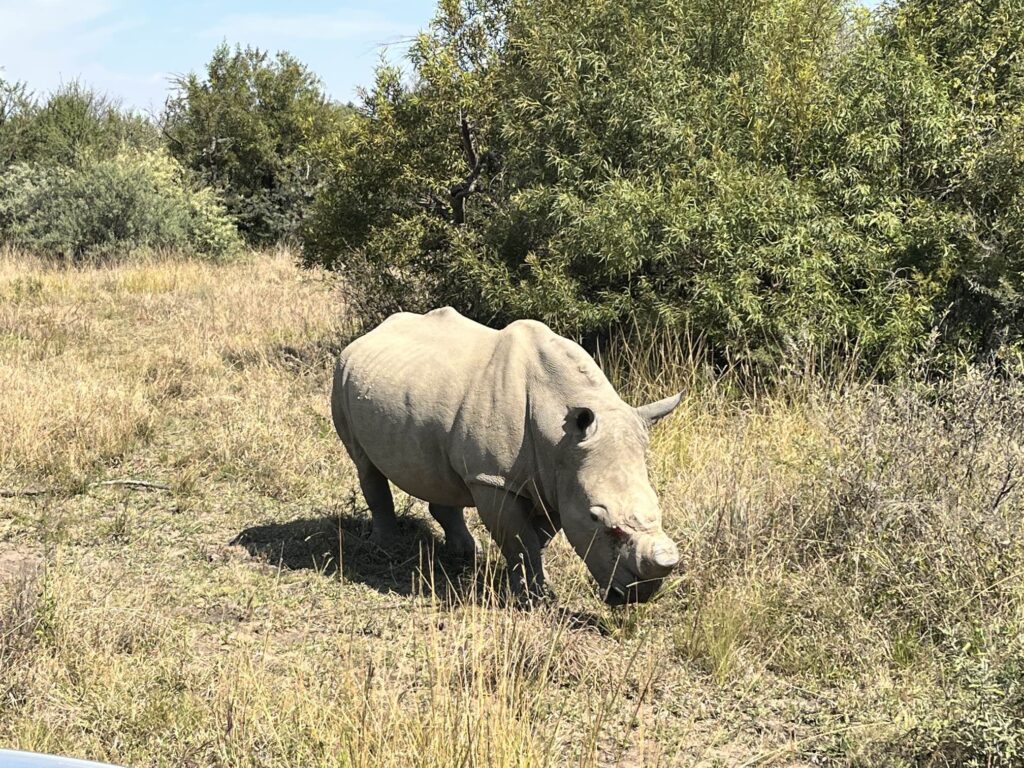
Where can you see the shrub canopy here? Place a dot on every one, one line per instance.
(82, 178)
(245, 129)
(769, 175)
(112, 206)
(74, 124)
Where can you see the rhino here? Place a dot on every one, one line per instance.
(520, 423)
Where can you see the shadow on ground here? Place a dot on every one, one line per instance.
(415, 564)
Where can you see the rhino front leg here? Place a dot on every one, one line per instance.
(457, 538)
(508, 518)
(545, 527)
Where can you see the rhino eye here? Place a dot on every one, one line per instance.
(585, 419)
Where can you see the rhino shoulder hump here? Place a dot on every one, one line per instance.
(444, 312)
(558, 356)
(532, 331)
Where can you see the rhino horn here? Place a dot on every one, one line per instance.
(656, 411)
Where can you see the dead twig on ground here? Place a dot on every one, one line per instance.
(135, 485)
(130, 483)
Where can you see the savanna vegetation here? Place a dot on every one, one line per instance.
(188, 576)
(806, 215)
(80, 179)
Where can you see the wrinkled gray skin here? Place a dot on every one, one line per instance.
(519, 423)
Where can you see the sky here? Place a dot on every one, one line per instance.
(130, 50)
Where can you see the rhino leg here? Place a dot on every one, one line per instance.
(508, 518)
(457, 538)
(378, 497)
(545, 527)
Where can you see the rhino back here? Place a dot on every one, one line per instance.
(398, 391)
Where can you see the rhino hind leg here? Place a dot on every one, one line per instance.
(457, 538)
(378, 497)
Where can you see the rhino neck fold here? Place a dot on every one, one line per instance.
(491, 430)
(542, 483)
(511, 426)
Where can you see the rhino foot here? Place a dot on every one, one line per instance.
(458, 541)
(539, 597)
(462, 546)
(383, 537)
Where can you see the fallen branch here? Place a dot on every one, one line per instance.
(130, 483)
(135, 485)
(11, 493)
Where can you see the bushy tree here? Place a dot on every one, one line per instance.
(770, 175)
(246, 127)
(15, 104)
(73, 124)
(974, 53)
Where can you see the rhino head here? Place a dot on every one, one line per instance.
(608, 509)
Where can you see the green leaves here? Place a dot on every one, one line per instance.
(765, 174)
(112, 206)
(251, 129)
(74, 124)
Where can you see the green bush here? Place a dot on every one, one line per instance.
(107, 207)
(246, 128)
(770, 176)
(72, 125)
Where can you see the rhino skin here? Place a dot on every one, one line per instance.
(521, 424)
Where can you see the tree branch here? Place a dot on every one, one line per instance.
(467, 141)
(459, 192)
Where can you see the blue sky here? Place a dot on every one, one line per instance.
(130, 49)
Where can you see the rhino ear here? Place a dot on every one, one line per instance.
(652, 413)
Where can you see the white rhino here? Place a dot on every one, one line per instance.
(519, 423)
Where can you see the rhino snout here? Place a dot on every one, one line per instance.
(665, 555)
(634, 592)
(658, 556)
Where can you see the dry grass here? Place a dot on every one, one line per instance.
(852, 593)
